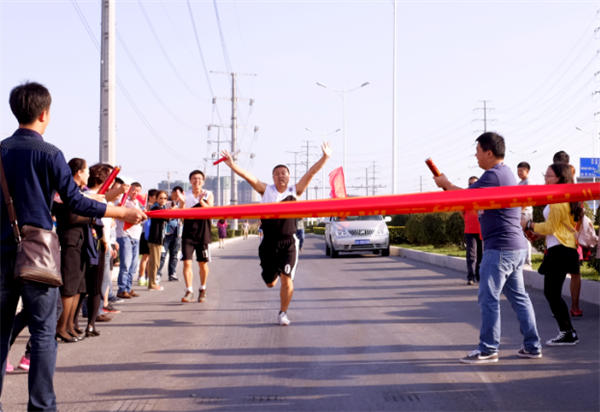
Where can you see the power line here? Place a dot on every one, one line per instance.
(145, 80)
(164, 52)
(237, 17)
(223, 44)
(126, 93)
(206, 74)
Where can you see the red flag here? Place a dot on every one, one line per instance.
(336, 181)
(142, 199)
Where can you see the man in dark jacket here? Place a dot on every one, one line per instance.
(35, 172)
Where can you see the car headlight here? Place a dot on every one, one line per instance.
(383, 231)
(341, 233)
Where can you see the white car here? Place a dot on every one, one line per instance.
(357, 234)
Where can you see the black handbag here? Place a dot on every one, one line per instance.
(38, 250)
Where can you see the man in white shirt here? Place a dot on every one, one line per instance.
(523, 169)
(196, 236)
(278, 252)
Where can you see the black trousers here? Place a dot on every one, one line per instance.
(474, 255)
(559, 261)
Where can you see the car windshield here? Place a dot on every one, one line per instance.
(356, 218)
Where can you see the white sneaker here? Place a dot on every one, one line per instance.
(283, 319)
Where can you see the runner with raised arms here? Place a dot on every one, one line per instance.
(278, 252)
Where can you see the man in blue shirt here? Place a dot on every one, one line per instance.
(35, 172)
(504, 255)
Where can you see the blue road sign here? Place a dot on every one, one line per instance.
(589, 166)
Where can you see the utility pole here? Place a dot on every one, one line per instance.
(421, 184)
(218, 142)
(375, 186)
(168, 180)
(394, 110)
(486, 110)
(367, 180)
(295, 164)
(108, 125)
(234, 127)
(323, 134)
(308, 146)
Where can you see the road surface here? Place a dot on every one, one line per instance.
(368, 333)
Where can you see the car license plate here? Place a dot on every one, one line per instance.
(361, 242)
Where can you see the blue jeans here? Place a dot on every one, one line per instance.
(40, 301)
(502, 272)
(300, 236)
(129, 251)
(172, 245)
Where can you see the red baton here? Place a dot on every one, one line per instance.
(109, 180)
(432, 167)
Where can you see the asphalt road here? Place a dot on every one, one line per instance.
(368, 333)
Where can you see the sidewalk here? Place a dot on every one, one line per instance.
(590, 290)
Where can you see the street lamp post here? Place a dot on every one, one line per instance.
(593, 141)
(342, 93)
(323, 134)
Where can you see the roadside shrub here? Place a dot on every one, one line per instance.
(319, 230)
(398, 220)
(321, 224)
(589, 212)
(455, 230)
(415, 233)
(397, 235)
(594, 262)
(597, 219)
(434, 225)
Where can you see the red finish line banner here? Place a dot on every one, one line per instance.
(451, 201)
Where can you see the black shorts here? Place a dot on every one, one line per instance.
(278, 257)
(144, 248)
(202, 250)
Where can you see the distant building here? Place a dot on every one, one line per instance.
(246, 194)
(224, 198)
(168, 186)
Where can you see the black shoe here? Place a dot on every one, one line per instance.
(568, 338)
(91, 332)
(61, 338)
(173, 279)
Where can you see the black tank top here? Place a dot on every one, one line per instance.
(275, 230)
(197, 230)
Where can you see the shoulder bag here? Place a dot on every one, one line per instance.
(38, 250)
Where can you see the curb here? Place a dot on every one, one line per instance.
(590, 290)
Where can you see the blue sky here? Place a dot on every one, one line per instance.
(535, 62)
